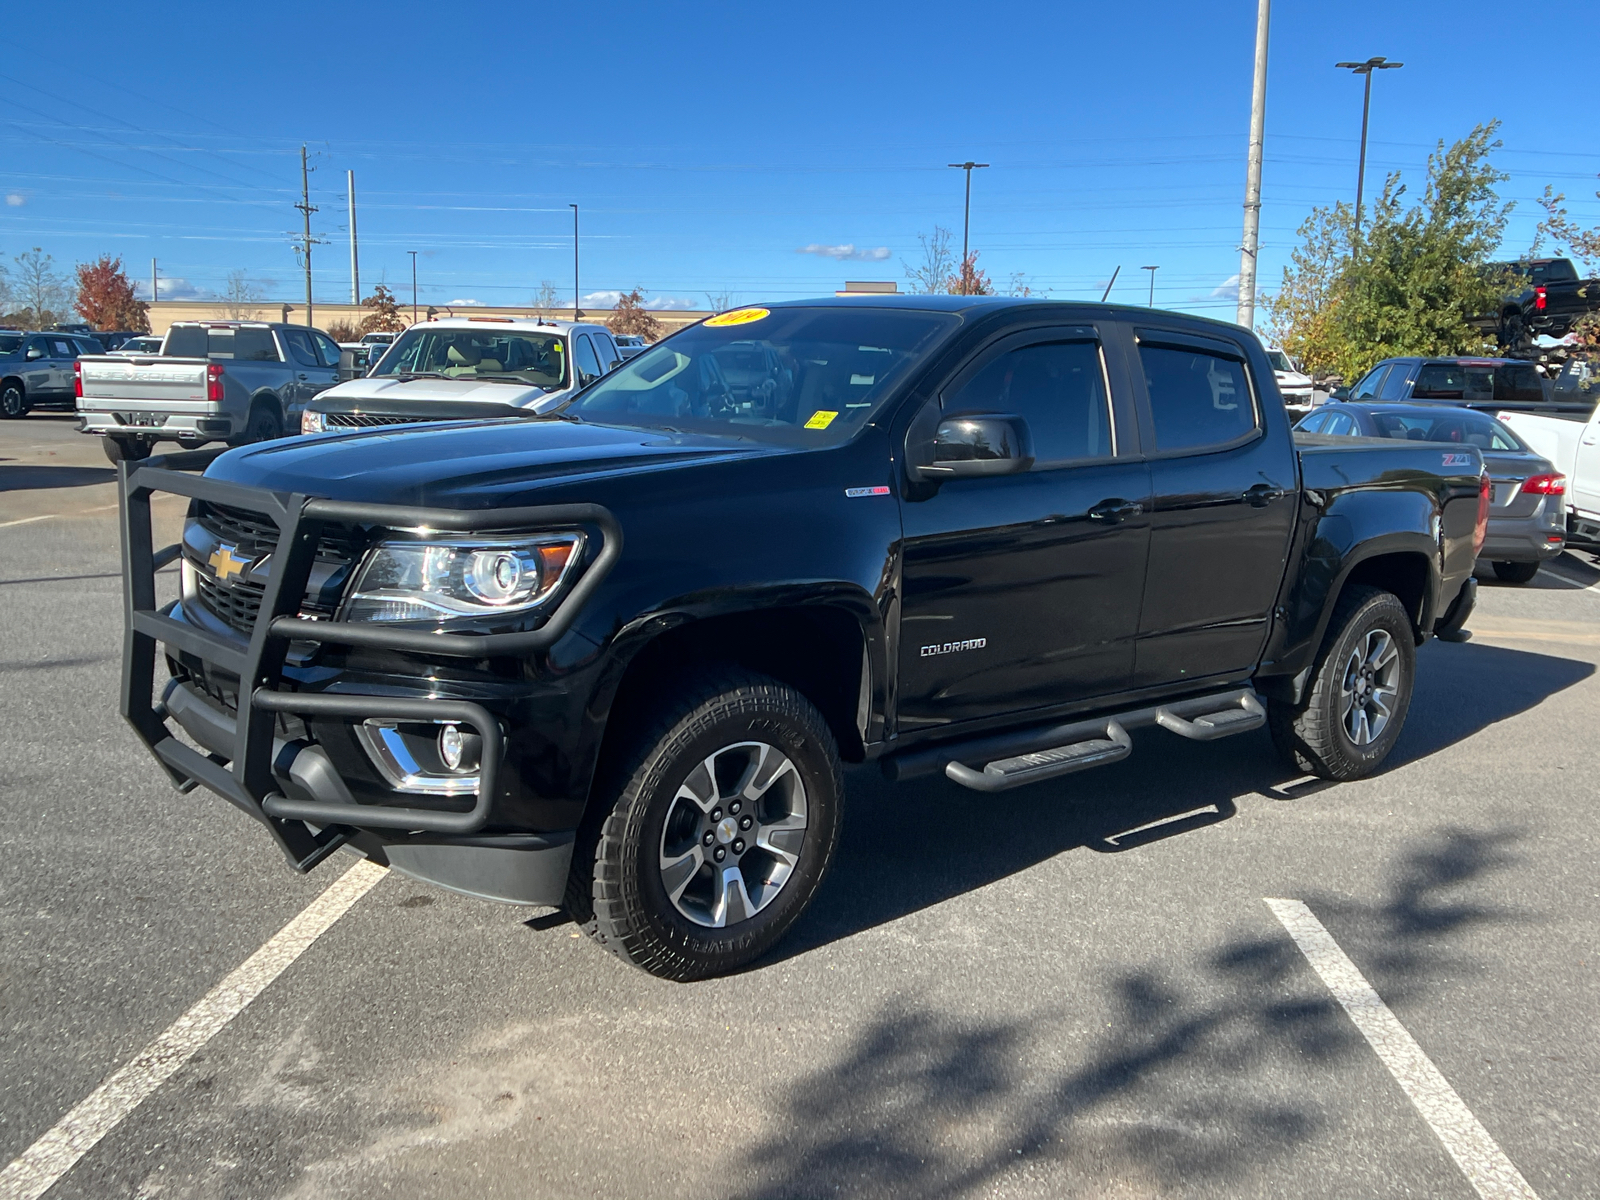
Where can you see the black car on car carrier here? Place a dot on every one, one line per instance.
(611, 658)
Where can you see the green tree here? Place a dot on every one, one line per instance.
(1413, 282)
(1583, 244)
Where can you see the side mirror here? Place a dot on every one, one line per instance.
(1339, 393)
(347, 365)
(34, 354)
(965, 446)
(585, 379)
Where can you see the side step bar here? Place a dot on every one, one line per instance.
(1030, 756)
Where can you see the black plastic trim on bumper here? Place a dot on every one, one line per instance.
(245, 776)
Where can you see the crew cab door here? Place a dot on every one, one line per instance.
(1022, 591)
(1224, 485)
(1585, 484)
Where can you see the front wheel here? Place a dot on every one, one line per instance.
(1516, 572)
(1360, 693)
(13, 402)
(714, 840)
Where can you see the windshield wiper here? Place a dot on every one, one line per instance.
(507, 377)
(404, 376)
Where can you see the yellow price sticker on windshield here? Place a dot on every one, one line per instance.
(821, 419)
(739, 316)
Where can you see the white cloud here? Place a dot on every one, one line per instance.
(467, 303)
(609, 298)
(602, 299)
(16, 199)
(1228, 289)
(173, 287)
(668, 303)
(846, 252)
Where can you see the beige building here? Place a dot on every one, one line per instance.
(164, 312)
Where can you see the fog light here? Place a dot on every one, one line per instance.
(452, 747)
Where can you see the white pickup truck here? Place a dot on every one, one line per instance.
(1572, 443)
(236, 381)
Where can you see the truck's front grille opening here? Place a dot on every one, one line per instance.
(362, 420)
(233, 595)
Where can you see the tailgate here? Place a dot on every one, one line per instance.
(164, 384)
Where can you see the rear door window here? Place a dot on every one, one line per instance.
(327, 348)
(1394, 383)
(1314, 423)
(1199, 400)
(300, 347)
(1340, 425)
(1058, 388)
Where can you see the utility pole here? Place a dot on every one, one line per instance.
(355, 264)
(966, 218)
(306, 240)
(1249, 250)
(577, 312)
(1154, 269)
(155, 283)
(413, 254)
(1365, 68)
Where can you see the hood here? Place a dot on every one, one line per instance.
(1292, 379)
(374, 392)
(465, 464)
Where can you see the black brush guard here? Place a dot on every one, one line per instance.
(245, 777)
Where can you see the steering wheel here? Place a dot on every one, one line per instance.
(715, 394)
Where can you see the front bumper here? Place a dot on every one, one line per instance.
(290, 784)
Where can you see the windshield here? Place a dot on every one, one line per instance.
(1279, 360)
(801, 376)
(517, 355)
(1460, 426)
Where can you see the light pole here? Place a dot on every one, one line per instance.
(577, 296)
(966, 218)
(413, 254)
(1365, 68)
(1250, 247)
(1152, 271)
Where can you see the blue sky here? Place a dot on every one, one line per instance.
(711, 144)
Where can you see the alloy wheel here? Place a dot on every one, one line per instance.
(1368, 687)
(733, 834)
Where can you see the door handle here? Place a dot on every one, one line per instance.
(1262, 494)
(1112, 511)
(302, 375)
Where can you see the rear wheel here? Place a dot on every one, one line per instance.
(1511, 331)
(13, 402)
(1360, 691)
(717, 830)
(1516, 572)
(125, 449)
(263, 425)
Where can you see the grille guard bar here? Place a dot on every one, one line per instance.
(246, 778)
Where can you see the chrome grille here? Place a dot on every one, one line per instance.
(362, 420)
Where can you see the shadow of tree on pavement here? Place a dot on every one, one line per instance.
(1194, 1079)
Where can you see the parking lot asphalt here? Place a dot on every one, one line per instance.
(1074, 990)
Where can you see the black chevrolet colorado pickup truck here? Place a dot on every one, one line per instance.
(612, 658)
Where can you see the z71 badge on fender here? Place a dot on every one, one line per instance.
(954, 647)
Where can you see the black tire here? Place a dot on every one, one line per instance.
(1515, 572)
(264, 424)
(1511, 331)
(13, 402)
(646, 816)
(1315, 733)
(120, 449)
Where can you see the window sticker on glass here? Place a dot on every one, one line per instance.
(862, 380)
(821, 419)
(742, 316)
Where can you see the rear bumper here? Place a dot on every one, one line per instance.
(201, 427)
(263, 755)
(1523, 539)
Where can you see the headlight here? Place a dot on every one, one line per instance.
(440, 581)
(312, 422)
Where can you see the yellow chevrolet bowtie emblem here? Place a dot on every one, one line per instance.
(223, 564)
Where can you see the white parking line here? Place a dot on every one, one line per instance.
(1485, 1165)
(55, 1153)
